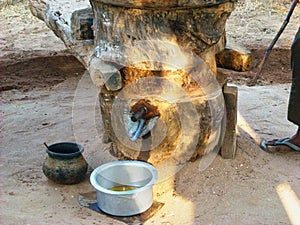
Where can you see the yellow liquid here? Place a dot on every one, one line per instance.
(122, 188)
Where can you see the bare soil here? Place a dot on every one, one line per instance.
(39, 72)
(40, 82)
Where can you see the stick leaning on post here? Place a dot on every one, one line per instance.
(268, 51)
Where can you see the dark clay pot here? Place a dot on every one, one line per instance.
(65, 163)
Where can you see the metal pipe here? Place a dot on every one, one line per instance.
(268, 51)
(139, 114)
(138, 131)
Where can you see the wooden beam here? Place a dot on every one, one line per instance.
(228, 148)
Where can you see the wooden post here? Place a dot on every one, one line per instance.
(228, 148)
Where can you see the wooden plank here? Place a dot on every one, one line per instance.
(228, 149)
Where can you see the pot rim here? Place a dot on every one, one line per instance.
(146, 165)
(68, 155)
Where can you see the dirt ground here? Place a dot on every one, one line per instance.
(40, 82)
